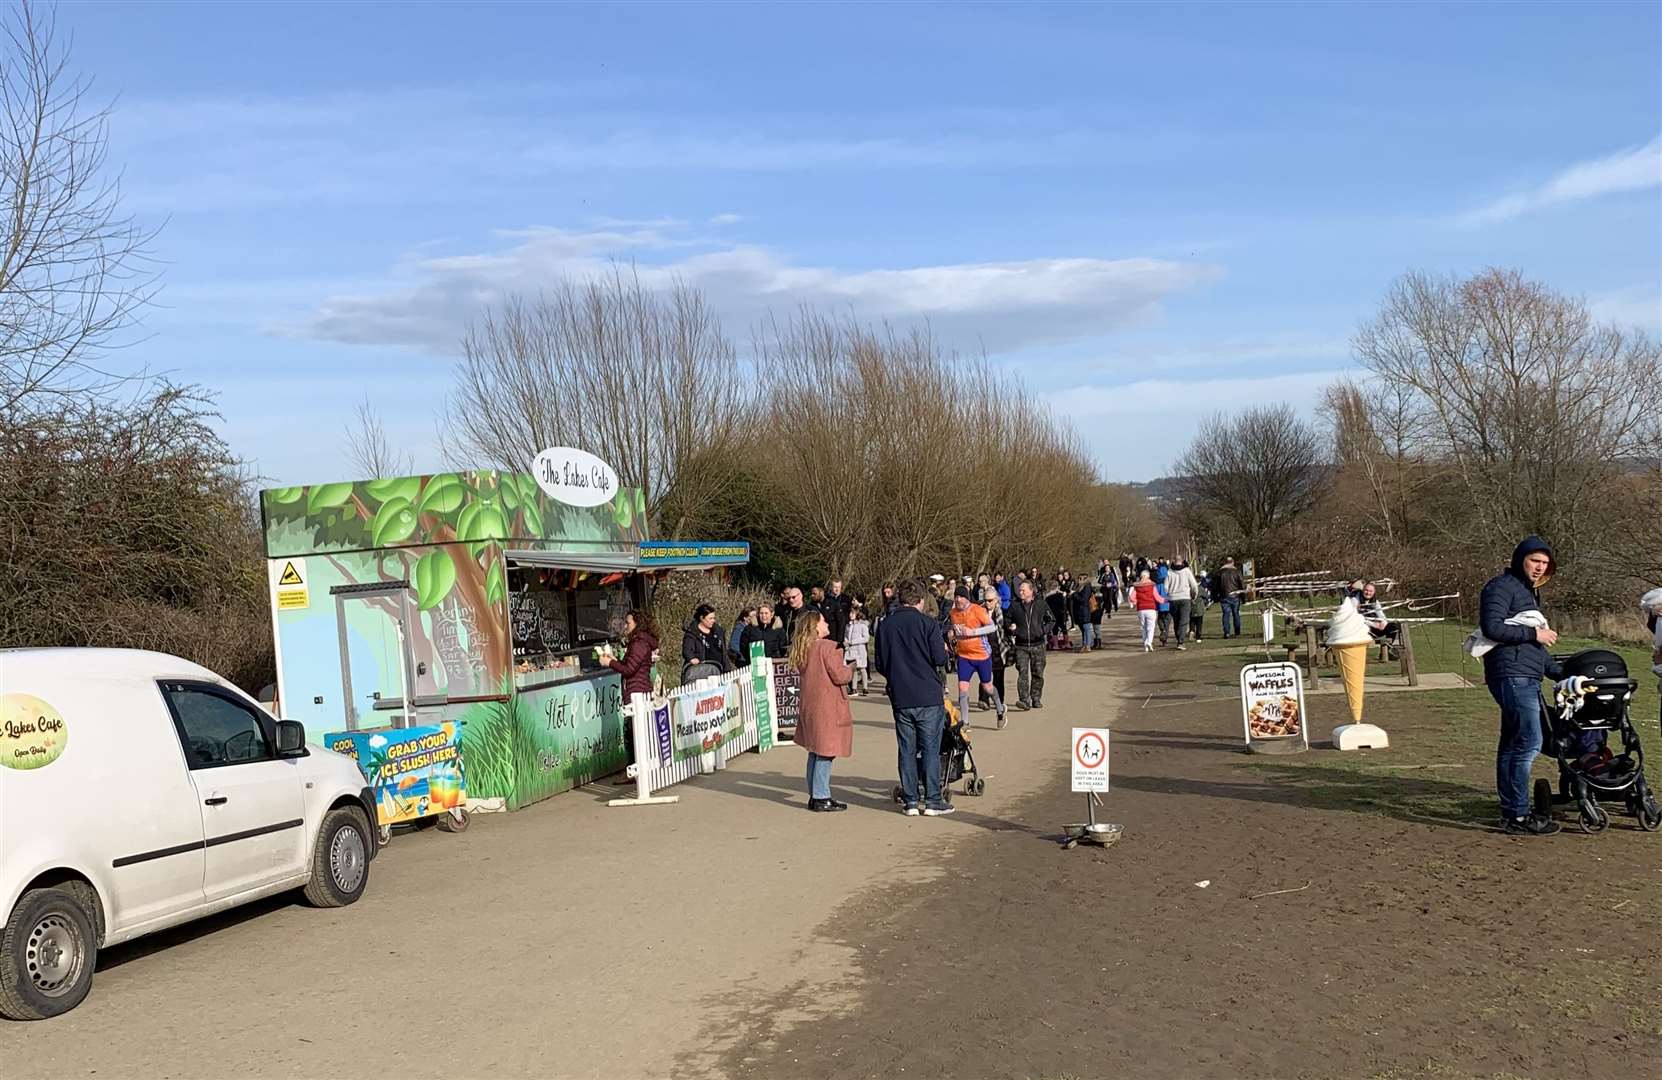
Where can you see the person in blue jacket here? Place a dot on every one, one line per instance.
(1513, 671)
(913, 653)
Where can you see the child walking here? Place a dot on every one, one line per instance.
(855, 639)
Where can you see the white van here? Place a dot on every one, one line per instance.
(139, 791)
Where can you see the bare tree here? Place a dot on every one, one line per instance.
(367, 448)
(74, 271)
(1256, 472)
(645, 379)
(1544, 418)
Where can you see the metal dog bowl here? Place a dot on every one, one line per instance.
(1099, 833)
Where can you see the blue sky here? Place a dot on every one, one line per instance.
(1148, 213)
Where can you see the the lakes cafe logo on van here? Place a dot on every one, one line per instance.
(32, 733)
(574, 477)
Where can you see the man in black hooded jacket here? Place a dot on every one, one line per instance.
(1513, 670)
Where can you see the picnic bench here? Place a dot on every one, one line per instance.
(1309, 636)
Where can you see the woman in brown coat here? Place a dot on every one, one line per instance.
(825, 728)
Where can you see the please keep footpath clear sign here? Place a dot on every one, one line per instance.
(1090, 759)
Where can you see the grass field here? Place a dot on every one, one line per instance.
(1440, 766)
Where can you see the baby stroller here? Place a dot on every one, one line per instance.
(957, 759)
(1591, 702)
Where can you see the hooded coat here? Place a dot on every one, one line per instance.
(1516, 655)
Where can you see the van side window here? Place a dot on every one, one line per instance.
(215, 729)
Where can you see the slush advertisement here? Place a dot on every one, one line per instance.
(416, 772)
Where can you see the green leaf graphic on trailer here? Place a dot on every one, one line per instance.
(435, 576)
(397, 487)
(533, 518)
(393, 523)
(496, 587)
(328, 496)
(443, 495)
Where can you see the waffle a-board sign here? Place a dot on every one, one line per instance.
(1272, 708)
(1089, 758)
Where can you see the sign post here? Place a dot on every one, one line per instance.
(1090, 759)
(762, 690)
(1088, 764)
(1272, 709)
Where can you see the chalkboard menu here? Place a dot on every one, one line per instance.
(787, 694)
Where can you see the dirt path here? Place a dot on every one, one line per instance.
(568, 940)
(1324, 943)
(734, 934)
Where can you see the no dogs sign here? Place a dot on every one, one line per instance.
(1090, 759)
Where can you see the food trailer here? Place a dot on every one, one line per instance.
(467, 603)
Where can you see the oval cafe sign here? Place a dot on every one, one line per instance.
(574, 477)
(32, 733)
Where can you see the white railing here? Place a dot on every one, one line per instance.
(663, 725)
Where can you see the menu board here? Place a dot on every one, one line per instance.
(787, 694)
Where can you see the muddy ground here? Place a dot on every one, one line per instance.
(1262, 917)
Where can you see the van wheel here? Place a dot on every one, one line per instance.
(340, 861)
(47, 955)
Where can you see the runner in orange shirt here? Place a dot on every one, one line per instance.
(972, 626)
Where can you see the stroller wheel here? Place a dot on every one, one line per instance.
(1593, 818)
(976, 786)
(1650, 813)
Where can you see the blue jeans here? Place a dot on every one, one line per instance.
(1231, 615)
(1520, 740)
(819, 776)
(1087, 634)
(918, 730)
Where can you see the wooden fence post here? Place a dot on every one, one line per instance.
(1315, 679)
(1409, 668)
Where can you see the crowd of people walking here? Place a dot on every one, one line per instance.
(934, 639)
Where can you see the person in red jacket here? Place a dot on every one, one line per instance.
(1147, 598)
(640, 638)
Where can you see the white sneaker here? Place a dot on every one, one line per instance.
(940, 811)
(911, 811)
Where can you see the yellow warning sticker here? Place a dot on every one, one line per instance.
(292, 594)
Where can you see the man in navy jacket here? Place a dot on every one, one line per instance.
(913, 653)
(1513, 670)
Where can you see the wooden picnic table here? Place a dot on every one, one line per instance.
(1307, 629)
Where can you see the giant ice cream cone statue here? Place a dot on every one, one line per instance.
(1353, 666)
(1347, 635)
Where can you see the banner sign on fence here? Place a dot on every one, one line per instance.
(707, 718)
(787, 693)
(660, 724)
(759, 670)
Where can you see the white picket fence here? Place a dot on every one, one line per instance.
(653, 722)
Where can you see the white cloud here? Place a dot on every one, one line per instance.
(996, 305)
(1189, 399)
(1639, 306)
(1632, 169)
(1136, 430)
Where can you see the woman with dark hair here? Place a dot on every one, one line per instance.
(640, 642)
(825, 727)
(703, 646)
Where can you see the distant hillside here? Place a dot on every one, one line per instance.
(1160, 487)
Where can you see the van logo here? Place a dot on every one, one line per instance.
(32, 733)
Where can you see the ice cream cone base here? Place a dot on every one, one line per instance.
(1353, 666)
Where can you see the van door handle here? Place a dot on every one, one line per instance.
(217, 800)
